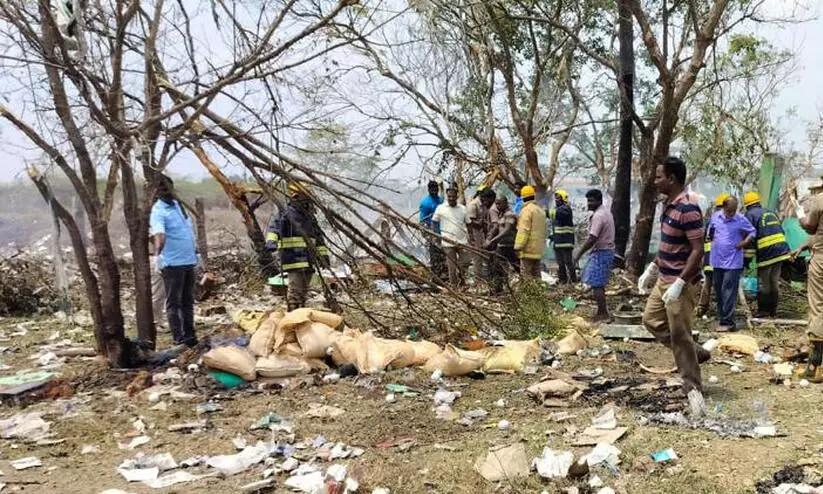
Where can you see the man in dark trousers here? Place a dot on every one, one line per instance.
(771, 252)
(174, 242)
(501, 244)
(563, 237)
(437, 258)
(296, 234)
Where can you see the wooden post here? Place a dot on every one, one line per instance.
(202, 243)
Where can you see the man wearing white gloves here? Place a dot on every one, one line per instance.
(670, 307)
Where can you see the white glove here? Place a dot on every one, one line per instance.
(643, 281)
(800, 211)
(674, 291)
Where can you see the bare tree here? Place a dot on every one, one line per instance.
(107, 114)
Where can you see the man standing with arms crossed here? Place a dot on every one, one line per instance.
(670, 307)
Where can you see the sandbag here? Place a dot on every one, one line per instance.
(330, 319)
(455, 362)
(291, 349)
(261, 343)
(571, 344)
(374, 354)
(281, 366)
(233, 359)
(511, 357)
(344, 348)
(314, 338)
(531, 348)
(405, 353)
(423, 351)
(738, 343)
(294, 318)
(249, 320)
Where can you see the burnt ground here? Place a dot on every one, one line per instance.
(437, 456)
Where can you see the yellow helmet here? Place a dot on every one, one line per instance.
(750, 198)
(718, 201)
(527, 191)
(297, 188)
(562, 194)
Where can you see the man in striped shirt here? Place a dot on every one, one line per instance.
(670, 307)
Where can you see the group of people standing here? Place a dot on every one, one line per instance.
(733, 239)
(497, 239)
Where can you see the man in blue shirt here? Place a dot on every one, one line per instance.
(730, 232)
(428, 205)
(171, 228)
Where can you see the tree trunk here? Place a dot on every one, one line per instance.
(653, 152)
(643, 224)
(253, 230)
(202, 242)
(77, 237)
(621, 207)
(110, 335)
(137, 223)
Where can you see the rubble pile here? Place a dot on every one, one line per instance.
(27, 286)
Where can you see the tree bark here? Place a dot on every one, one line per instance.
(202, 242)
(621, 207)
(137, 223)
(80, 254)
(253, 230)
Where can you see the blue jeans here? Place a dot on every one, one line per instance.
(726, 282)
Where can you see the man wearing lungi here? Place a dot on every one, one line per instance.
(598, 269)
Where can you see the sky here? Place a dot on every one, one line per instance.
(802, 94)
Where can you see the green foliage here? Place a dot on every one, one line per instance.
(531, 313)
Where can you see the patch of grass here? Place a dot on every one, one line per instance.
(531, 313)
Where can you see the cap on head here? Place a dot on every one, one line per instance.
(527, 192)
(719, 200)
(750, 198)
(562, 194)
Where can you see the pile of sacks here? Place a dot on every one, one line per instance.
(303, 340)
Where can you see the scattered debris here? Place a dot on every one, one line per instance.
(323, 411)
(27, 426)
(606, 419)
(503, 463)
(236, 463)
(603, 453)
(135, 443)
(664, 456)
(26, 463)
(553, 464)
(738, 343)
(188, 426)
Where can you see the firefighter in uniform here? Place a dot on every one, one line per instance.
(296, 234)
(563, 237)
(769, 249)
(706, 292)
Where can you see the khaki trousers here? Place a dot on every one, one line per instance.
(530, 269)
(672, 326)
(814, 289)
(298, 290)
(457, 262)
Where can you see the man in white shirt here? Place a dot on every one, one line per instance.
(450, 219)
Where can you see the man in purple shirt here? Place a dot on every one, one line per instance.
(730, 232)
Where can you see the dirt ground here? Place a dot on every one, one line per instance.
(437, 456)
